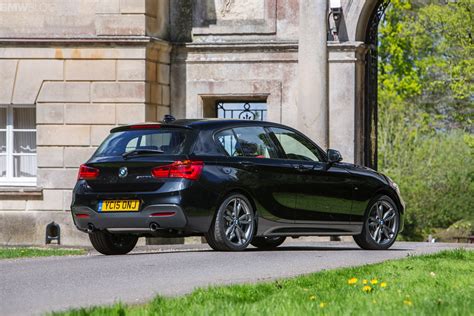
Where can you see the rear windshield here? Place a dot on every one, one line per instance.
(170, 142)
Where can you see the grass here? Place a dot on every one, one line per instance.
(438, 284)
(9, 253)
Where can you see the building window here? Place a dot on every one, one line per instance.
(17, 145)
(242, 110)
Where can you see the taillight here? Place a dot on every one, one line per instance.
(187, 169)
(87, 173)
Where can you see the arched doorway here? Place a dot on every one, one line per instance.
(370, 113)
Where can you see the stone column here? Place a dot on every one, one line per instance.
(346, 91)
(313, 71)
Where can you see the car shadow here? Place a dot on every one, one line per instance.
(316, 248)
(278, 249)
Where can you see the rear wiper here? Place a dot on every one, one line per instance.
(137, 152)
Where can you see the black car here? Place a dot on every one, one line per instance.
(235, 182)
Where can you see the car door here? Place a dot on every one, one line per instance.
(324, 192)
(253, 154)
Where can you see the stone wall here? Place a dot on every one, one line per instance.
(235, 50)
(83, 18)
(243, 74)
(71, 18)
(230, 20)
(80, 93)
(87, 66)
(157, 80)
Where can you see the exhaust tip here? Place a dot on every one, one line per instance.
(154, 227)
(90, 228)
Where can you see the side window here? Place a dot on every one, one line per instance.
(253, 141)
(228, 141)
(295, 146)
(246, 142)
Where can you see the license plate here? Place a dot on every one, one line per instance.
(119, 206)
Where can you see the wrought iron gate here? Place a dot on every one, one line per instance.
(371, 85)
(242, 110)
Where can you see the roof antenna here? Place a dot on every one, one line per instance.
(168, 118)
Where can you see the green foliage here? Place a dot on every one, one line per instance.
(438, 284)
(464, 226)
(435, 170)
(459, 231)
(427, 57)
(426, 98)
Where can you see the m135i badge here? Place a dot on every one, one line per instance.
(123, 172)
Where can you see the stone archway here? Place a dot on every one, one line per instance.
(362, 20)
(353, 82)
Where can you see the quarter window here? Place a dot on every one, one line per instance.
(229, 142)
(17, 145)
(295, 146)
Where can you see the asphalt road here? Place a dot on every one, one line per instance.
(37, 286)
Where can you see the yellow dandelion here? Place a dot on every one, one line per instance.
(374, 281)
(312, 297)
(367, 289)
(383, 284)
(408, 302)
(322, 305)
(352, 281)
(365, 281)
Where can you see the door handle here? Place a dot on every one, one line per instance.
(246, 164)
(303, 168)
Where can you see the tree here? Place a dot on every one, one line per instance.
(427, 58)
(426, 97)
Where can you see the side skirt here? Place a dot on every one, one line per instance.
(309, 229)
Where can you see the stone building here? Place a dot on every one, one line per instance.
(70, 70)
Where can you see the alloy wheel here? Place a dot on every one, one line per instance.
(382, 222)
(238, 221)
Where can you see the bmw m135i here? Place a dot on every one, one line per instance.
(235, 182)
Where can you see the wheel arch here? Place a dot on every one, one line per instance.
(244, 192)
(392, 195)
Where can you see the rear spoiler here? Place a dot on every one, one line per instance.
(142, 126)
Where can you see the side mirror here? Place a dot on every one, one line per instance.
(334, 156)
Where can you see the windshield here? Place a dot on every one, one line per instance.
(166, 142)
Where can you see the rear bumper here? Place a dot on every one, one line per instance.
(167, 216)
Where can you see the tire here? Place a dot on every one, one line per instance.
(267, 242)
(112, 244)
(381, 224)
(233, 226)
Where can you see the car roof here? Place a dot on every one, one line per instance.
(204, 123)
(217, 123)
